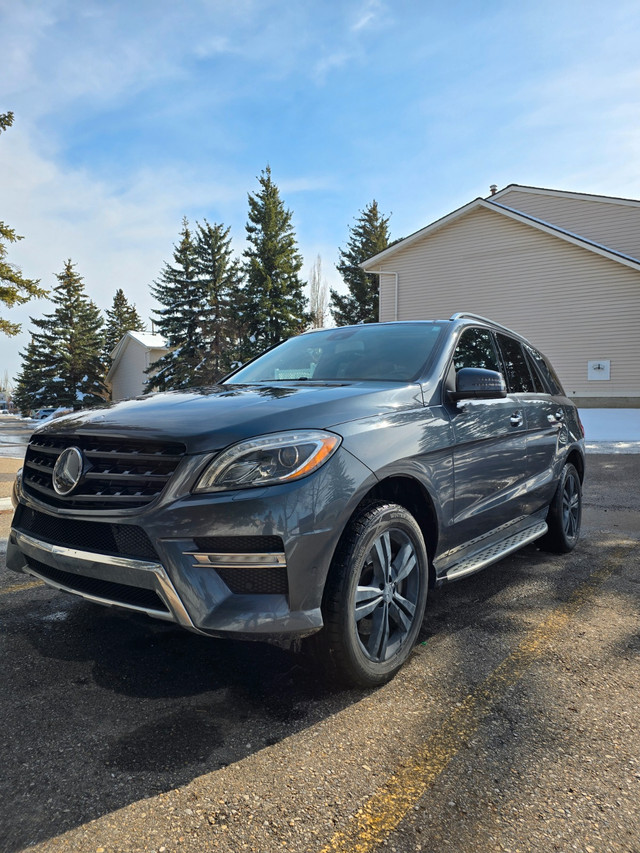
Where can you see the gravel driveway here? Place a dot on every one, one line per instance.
(515, 725)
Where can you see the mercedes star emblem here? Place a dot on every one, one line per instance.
(67, 472)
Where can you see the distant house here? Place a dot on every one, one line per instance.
(132, 355)
(562, 268)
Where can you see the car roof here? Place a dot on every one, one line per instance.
(462, 318)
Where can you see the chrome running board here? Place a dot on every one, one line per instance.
(493, 553)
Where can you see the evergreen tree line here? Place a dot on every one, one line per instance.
(214, 311)
(69, 354)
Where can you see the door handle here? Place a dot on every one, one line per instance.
(516, 419)
(556, 418)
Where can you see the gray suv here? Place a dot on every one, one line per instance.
(321, 489)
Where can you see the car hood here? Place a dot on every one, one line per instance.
(208, 419)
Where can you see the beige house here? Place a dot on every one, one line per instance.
(132, 355)
(562, 268)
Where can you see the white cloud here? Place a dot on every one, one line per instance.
(368, 15)
(348, 45)
(117, 238)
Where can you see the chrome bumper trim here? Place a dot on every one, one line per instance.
(149, 575)
(270, 560)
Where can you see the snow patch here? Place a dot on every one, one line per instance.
(59, 616)
(611, 424)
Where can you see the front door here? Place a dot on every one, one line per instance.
(490, 455)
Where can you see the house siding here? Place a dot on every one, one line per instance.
(130, 377)
(574, 305)
(387, 300)
(614, 224)
(126, 382)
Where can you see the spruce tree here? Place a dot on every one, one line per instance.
(273, 305)
(30, 383)
(122, 317)
(15, 289)
(178, 321)
(367, 237)
(62, 365)
(218, 277)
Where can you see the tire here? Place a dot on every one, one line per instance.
(565, 513)
(375, 596)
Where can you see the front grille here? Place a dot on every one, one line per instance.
(118, 473)
(123, 540)
(243, 581)
(118, 593)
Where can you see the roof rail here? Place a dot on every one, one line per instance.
(466, 315)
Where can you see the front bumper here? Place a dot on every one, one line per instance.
(250, 564)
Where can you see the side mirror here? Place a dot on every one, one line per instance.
(476, 383)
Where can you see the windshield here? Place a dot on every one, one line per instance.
(396, 352)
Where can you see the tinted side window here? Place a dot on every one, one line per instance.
(476, 349)
(519, 379)
(548, 373)
(535, 375)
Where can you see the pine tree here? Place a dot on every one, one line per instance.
(178, 321)
(273, 305)
(218, 276)
(121, 318)
(62, 365)
(14, 288)
(367, 237)
(30, 383)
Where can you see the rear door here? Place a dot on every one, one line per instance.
(490, 452)
(544, 419)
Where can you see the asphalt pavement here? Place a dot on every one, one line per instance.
(515, 725)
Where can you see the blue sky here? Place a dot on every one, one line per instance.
(130, 115)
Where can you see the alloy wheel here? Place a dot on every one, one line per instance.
(387, 595)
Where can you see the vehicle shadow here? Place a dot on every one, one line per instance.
(105, 708)
(112, 707)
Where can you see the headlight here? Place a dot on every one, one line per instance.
(276, 458)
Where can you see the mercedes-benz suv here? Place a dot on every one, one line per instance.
(320, 489)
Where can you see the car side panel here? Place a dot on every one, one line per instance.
(490, 467)
(414, 443)
(546, 435)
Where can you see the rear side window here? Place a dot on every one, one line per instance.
(535, 375)
(519, 380)
(547, 372)
(476, 349)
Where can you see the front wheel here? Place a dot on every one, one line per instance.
(375, 596)
(565, 513)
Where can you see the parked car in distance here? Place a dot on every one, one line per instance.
(318, 491)
(41, 414)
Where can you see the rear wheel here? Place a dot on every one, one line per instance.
(565, 513)
(375, 596)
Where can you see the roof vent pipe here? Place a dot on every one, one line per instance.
(494, 189)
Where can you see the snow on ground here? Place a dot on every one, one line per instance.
(611, 430)
(611, 424)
